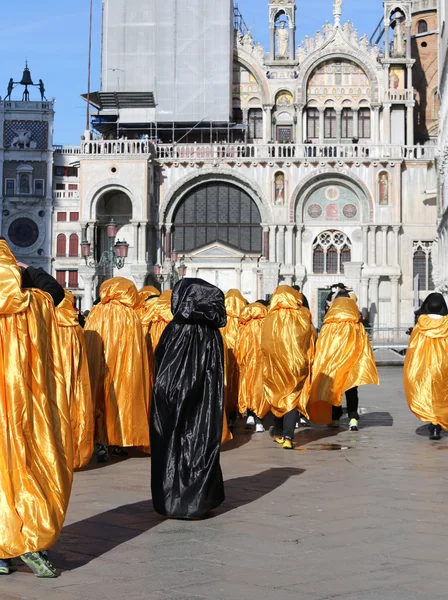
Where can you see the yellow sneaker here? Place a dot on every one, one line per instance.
(287, 445)
(279, 440)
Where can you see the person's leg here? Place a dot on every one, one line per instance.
(39, 564)
(336, 414)
(289, 424)
(352, 408)
(259, 427)
(435, 432)
(250, 421)
(278, 427)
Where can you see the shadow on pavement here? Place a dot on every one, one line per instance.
(424, 432)
(376, 419)
(84, 541)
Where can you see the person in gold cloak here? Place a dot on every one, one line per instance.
(76, 370)
(146, 310)
(235, 303)
(249, 358)
(36, 448)
(287, 344)
(118, 365)
(426, 366)
(160, 316)
(344, 361)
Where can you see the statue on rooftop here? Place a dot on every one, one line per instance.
(10, 88)
(282, 36)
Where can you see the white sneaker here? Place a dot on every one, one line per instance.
(250, 422)
(259, 428)
(354, 425)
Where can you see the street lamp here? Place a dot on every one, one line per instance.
(115, 257)
(172, 271)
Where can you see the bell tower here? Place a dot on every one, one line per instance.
(282, 28)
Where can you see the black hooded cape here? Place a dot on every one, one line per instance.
(188, 404)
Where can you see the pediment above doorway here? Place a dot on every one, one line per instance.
(217, 251)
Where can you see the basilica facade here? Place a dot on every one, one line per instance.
(324, 172)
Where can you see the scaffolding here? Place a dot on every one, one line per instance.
(239, 23)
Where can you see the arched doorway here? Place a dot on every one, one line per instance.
(217, 226)
(115, 205)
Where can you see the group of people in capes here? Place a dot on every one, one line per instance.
(169, 373)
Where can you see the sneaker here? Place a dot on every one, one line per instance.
(287, 444)
(259, 428)
(102, 454)
(5, 567)
(436, 434)
(39, 564)
(304, 422)
(279, 440)
(120, 452)
(250, 422)
(353, 426)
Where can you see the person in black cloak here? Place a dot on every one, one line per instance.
(188, 404)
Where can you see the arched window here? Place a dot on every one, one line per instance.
(255, 129)
(330, 124)
(422, 26)
(61, 245)
(73, 248)
(218, 212)
(364, 123)
(423, 265)
(313, 124)
(347, 124)
(331, 250)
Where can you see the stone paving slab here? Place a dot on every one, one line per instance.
(352, 516)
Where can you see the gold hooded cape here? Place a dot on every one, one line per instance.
(426, 371)
(235, 302)
(160, 316)
(118, 365)
(250, 360)
(344, 360)
(287, 343)
(76, 371)
(36, 448)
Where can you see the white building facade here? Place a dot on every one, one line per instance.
(313, 180)
(443, 150)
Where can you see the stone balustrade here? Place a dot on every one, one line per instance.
(66, 195)
(399, 95)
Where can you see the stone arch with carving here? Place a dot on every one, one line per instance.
(392, 7)
(184, 185)
(247, 61)
(96, 192)
(329, 175)
(324, 54)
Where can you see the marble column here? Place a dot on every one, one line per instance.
(266, 242)
(272, 42)
(142, 242)
(409, 124)
(384, 230)
(396, 253)
(374, 300)
(394, 300)
(299, 125)
(365, 244)
(386, 124)
(267, 123)
(272, 244)
(168, 244)
(281, 244)
(355, 123)
(364, 296)
(375, 133)
(87, 275)
(338, 125)
(299, 244)
(289, 245)
(159, 243)
(372, 252)
(321, 125)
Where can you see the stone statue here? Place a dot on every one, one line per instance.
(259, 52)
(364, 43)
(319, 40)
(337, 12)
(21, 139)
(282, 36)
(248, 41)
(10, 88)
(41, 89)
(327, 30)
(399, 47)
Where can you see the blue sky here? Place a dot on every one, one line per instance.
(53, 36)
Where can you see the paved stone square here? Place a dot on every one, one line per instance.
(356, 516)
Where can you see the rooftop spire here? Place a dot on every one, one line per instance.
(337, 12)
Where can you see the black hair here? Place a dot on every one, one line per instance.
(342, 294)
(263, 302)
(433, 305)
(297, 288)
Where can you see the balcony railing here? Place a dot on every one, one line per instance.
(66, 195)
(399, 95)
(253, 152)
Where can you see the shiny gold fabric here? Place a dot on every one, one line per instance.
(160, 318)
(249, 357)
(235, 302)
(344, 360)
(118, 365)
(146, 292)
(426, 371)
(76, 371)
(287, 344)
(36, 448)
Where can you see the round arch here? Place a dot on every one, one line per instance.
(328, 176)
(315, 59)
(188, 183)
(95, 193)
(247, 61)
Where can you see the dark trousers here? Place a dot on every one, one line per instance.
(286, 425)
(352, 399)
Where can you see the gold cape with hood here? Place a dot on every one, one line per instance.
(146, 311)
(235, 302)
(287, 343)
(344, 360)
(118, 365)
(36, 448)
(250, 360)
(76, 370)
(426, 371)
(160, 316)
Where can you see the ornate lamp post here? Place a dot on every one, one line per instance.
(172, 271)
(115, 257)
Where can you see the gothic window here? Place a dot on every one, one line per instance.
(73, 245)
(255, 124)
(330, 124)
(423, 265)
(347, 124)
(61, 245)
(331, 250)
(364, 120)
(313, 123)
(422, 26)
(218, 212)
